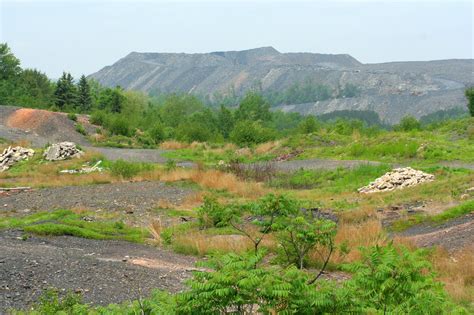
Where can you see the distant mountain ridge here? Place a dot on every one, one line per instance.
(391, 89)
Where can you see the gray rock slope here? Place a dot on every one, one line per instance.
(391, 89)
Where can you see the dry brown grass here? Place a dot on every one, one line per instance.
(456, 271)
(173, 145)
(155, 229)
(201, 244)
(214, 179)
(368, 233)
(267, 147)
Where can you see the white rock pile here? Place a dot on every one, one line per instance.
(62, 151)
(13, 155)
(398, 178)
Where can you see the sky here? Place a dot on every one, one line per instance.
(81, 37)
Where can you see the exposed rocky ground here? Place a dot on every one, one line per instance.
(103, 271)
(390, 89)
(452, 235)
(399, 178)
(10, 156)
(131, 197)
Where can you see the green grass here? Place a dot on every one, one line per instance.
(452, 213)
(336, 181)
(66, 222)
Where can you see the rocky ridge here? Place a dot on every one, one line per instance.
(390, 89)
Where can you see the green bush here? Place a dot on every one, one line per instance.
(119, 125)
(72, 116)
(124, 169)
(213, 214)
(408, 123)
(80, 128)
(246, 133)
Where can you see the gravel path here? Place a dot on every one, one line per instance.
(135, 155)
(103, 271)
(136, 197)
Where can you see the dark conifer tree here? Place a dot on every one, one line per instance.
(66, 92)
(84, 99)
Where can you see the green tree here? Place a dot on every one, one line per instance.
(300, 234)
(9, 64)
(33, 88)
(225, 121)
(408, 123)
(470, 100)
(116, 100)
(177, 107)
(253, 108)
(309, 125)
(66, 92)
(84, 99)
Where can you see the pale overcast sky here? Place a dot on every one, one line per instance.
(84, 36)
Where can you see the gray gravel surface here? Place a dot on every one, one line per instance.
(103, 271)
(454, 234)
(311, 164)
(135, 155)
(129, 196)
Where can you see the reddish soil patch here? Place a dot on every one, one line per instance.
(29, 119)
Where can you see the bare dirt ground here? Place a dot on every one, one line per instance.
(102, 271)
(451, 235)
(130, 197)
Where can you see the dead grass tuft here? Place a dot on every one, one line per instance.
(201, 244)
(155, 229)
(214, 179)
(354, 235)
(173, 145)
(267, 147)
(456, 271)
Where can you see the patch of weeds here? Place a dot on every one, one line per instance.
(335, 181)
(72, 116)
(452, 213)
(80, 128)
(124, 169)
(66, 222)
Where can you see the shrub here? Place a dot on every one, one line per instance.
(72, 116)
(408, 123)
(157, 133)
(213, 214)
(247, 133)
(126, 169)
(98, 118)
(119, 126)
(397, 281)
(80, 128)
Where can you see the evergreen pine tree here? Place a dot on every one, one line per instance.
(84, 99)
(66, 92)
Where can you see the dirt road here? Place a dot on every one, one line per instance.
(136, 197)
(103, 271)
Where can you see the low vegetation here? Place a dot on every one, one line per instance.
(67, 222)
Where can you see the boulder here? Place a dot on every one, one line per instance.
(62, 151)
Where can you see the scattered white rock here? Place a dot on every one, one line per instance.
(85, 169)
(13, 155)
(398, 178)
(62, 151)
